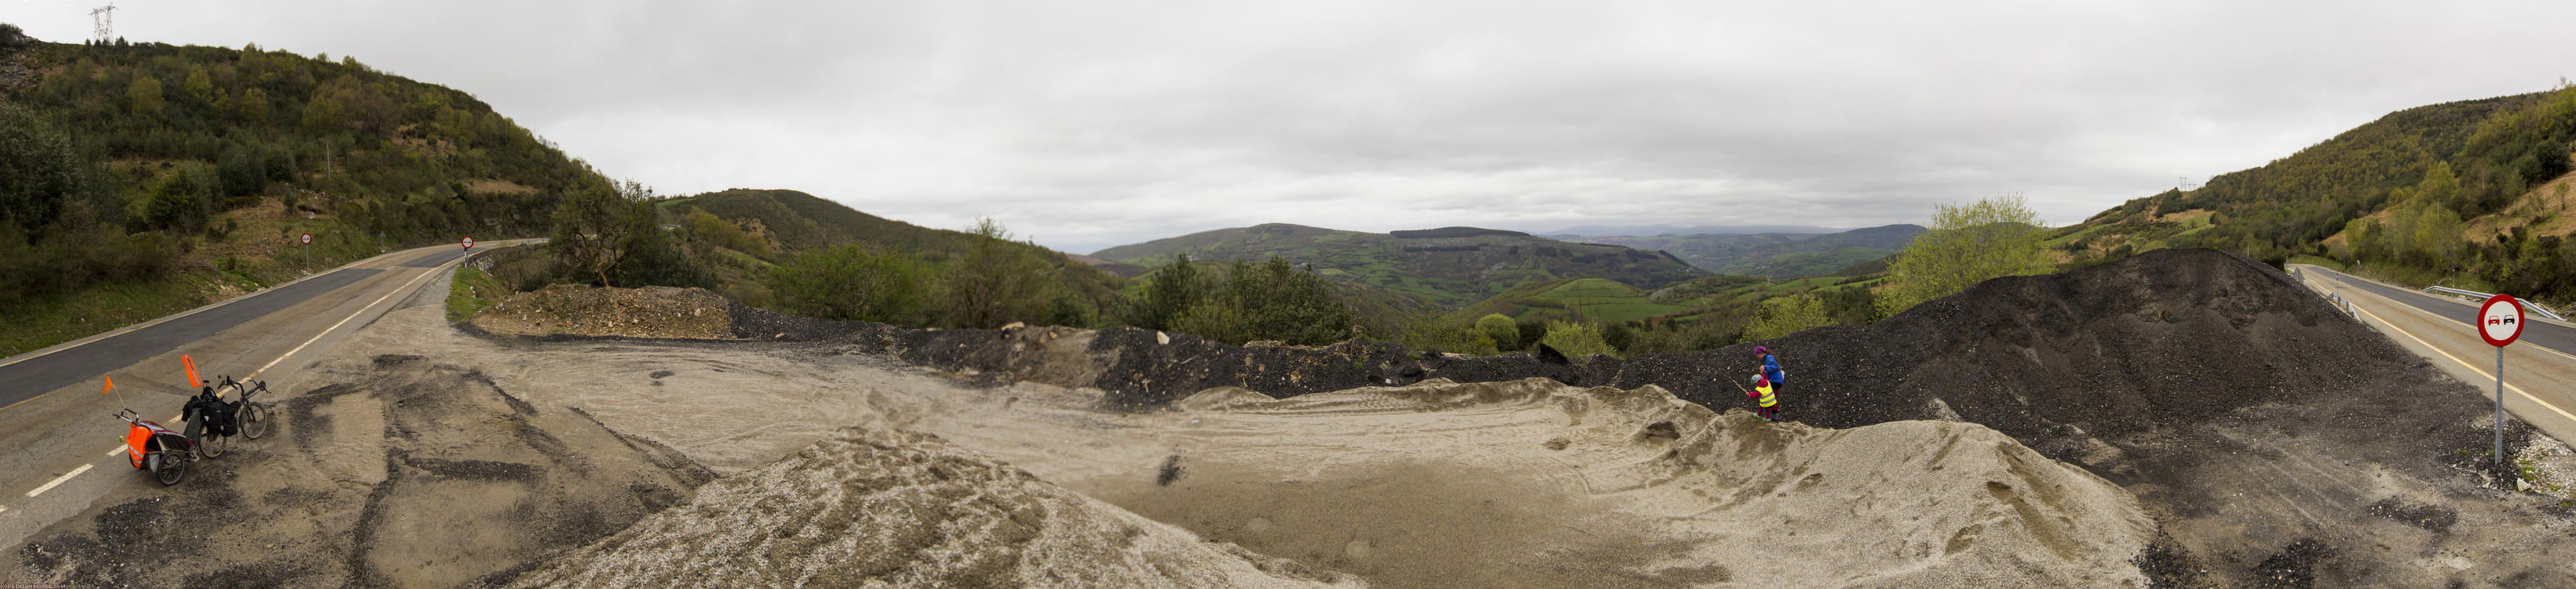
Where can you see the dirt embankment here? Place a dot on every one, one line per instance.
(651, 312)
(422, 475)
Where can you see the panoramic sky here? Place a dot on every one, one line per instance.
(1083, 125)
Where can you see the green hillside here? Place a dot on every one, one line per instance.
(1448, 267)
(138, 180)
(2466, 193)
(793, 224)
(1777, 255)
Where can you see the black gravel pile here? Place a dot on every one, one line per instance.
(2159, 340)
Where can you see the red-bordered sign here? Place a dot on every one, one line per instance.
(307, 239)
(469, 242)
(2500, 320)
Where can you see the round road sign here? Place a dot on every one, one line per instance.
(469, 242)
(308, 239)
(2500, 320)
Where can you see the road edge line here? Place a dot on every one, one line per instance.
(2472, 367)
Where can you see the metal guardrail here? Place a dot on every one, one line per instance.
(2527, 304)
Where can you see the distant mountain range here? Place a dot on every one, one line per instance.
(1777, 255)
(1448, 267)
(1691, 230)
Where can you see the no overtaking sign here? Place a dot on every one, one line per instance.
(2500, 322)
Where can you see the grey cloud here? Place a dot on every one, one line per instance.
(1097, 123)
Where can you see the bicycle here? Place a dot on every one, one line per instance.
(250, 417)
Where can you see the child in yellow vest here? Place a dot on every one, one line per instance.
(1768, 405)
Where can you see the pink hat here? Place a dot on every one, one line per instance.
(1761, 350)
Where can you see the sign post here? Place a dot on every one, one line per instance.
(308, 252)
(469, 242)
(2500, 322)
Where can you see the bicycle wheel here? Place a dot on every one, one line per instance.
(167, 469)
(213, 445)
(254, 420)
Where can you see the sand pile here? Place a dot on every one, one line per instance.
(652, 311)
(871, 508)
(1535, 484)
(2254, 421)
(416, 475)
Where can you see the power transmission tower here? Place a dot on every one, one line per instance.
(104, 18)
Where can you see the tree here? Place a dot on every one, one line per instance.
(1284, 304)
(589, 224)
(253, 106)
(198, 86)
(852, 282)
(1174, 288)
(1780, 316)
(144, 95)
(1499, 329)
(1966, 244)
(41, 171)
(995, 281)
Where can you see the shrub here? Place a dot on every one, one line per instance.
(851, 282)
(1499, 332)
(1576, 340)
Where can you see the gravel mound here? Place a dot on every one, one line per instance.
(577, 310)
(873, 508)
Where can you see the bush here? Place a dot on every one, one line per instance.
(1781, 316)
(1499, 332)
(1576, 340)
(851, 282)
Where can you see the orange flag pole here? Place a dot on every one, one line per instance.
(192, 369)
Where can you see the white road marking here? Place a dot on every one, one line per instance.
(406, 287)
(59, 480)
(2472, 367)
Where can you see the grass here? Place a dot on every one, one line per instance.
(2326, 263)
(470, 292)
(100, 308)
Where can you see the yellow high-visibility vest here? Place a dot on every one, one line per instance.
(1766, 399)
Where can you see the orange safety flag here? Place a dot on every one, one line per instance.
(192, 368)
(111, 385)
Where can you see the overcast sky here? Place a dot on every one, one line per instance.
(1089, 124)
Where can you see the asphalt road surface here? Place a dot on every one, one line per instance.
(2539, 368)
(63, 448)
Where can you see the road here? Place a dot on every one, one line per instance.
(2539, 368)
(64, 451)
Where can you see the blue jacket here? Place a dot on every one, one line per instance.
(1771, 369)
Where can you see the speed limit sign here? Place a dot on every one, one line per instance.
(307, 239)
(469, 242)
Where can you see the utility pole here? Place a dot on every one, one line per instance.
(104, 21)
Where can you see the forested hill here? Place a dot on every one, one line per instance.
(1775, 255)
(2467, 192)
(1449, 267)
(170, 174)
